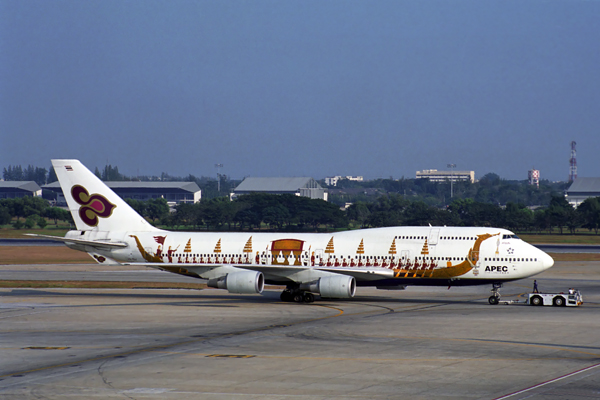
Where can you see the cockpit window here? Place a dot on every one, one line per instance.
(510, 236)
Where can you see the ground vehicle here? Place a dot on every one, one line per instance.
(571, 299)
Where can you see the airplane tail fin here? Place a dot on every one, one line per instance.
(93, 205)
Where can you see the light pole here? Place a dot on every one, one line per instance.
(218, 167)
(451, 166)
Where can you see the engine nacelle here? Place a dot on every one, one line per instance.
(333, 287)
(246, 282)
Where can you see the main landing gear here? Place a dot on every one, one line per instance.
(495, 297)
(297, 295)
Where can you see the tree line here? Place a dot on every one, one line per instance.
(41, 176)
(489, 189)
(292, 213)
(284, 212)
(395, 210)
(27, 212)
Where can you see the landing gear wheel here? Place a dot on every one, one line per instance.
(286, 295)
(495, 297)
(298, 297)
(309, 297)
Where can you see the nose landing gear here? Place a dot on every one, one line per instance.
(495, 297)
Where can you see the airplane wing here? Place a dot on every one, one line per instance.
(281, 271)
(361, 274)
(188, 269)
(93, 243)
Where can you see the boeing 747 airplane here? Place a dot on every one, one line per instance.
(329, 264)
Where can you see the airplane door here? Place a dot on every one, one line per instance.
(434, 235)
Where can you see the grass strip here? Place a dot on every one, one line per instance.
(575, 256)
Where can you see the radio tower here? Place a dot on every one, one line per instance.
(573, 163)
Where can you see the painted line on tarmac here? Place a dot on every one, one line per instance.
(548, 382)
(167, 346)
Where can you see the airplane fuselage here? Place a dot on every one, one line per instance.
(413, 255)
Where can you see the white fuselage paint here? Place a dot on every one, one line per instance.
(501, 257)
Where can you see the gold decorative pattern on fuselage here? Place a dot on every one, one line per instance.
(429, 270)
(155, 258)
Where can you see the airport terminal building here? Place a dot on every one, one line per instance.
(333, 180)
(581, 189)
(17, 189)
(173, 192)
(445, 176)
(303, 186)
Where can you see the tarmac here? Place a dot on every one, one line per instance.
(420, 343)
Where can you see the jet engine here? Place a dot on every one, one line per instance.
(334, 287)
(246, 282)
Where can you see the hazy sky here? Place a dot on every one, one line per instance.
(302, 88)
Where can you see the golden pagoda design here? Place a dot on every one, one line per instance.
(188, 247)
(361, 248)
(393, 247)
(288, 249)
(248, 246)
(217, 247)
(329, 248)
(425, 249)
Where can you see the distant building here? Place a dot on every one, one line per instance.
(581, 189)
(16, 189)
(173, 192)
(534, 177)
(444, 176)
(333, 180)
(304, 186)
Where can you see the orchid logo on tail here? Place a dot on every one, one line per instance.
(92, 207)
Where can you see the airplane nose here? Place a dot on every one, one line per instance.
(547, 261)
